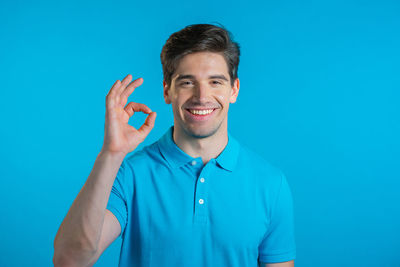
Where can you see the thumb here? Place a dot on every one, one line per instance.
(148, 125)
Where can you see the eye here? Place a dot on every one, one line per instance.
(216, 82)
(186, 83)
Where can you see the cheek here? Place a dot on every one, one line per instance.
(176, 107)
(222, 98)
(181, 97)
(177, 103)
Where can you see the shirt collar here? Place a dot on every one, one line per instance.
(229, 156)
(176, 157)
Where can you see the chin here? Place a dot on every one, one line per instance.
(198, 132)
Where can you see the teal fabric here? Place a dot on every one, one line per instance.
(175, 211)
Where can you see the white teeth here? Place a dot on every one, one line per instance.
(200, 112)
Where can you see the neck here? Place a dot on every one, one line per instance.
(206, 148)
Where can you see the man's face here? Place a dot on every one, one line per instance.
(200, 94)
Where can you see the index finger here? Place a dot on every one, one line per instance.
(131, 87)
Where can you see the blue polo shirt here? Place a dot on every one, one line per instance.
(175, 211)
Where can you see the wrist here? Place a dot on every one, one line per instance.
(112, 155)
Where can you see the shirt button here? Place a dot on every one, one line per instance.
(202, 179)
(201, 201)
(194, 162)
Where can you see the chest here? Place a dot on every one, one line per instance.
(209, 209)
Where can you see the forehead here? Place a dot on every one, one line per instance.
(202, 64)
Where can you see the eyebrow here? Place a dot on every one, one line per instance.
(185, 76)
(221, 77)
(190, 76)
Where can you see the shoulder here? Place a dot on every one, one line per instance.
(146, 156)
(258, 166)
(254, 160)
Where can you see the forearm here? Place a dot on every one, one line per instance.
(79, 233)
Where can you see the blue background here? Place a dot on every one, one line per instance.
(319, 98)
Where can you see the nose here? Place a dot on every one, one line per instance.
(201, 91)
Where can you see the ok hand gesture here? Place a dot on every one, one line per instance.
(119, 136)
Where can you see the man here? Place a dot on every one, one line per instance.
(193, 198)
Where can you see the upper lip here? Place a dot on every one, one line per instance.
(201, 108)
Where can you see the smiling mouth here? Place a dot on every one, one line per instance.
(201, 112)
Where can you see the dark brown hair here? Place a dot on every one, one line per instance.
(199, 38)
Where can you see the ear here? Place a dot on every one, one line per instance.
(234, 91)
(166, 93)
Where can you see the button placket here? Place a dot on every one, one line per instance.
(201, 203)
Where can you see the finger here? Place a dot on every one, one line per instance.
(148, 124)
(133, 107)
(115, 87)
(124, 83)
(131, 87)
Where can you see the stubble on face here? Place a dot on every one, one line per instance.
(202, 67)
(198, 133)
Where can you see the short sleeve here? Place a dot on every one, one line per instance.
(117, 201)
(278, 244)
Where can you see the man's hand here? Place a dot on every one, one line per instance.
(119, 136)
